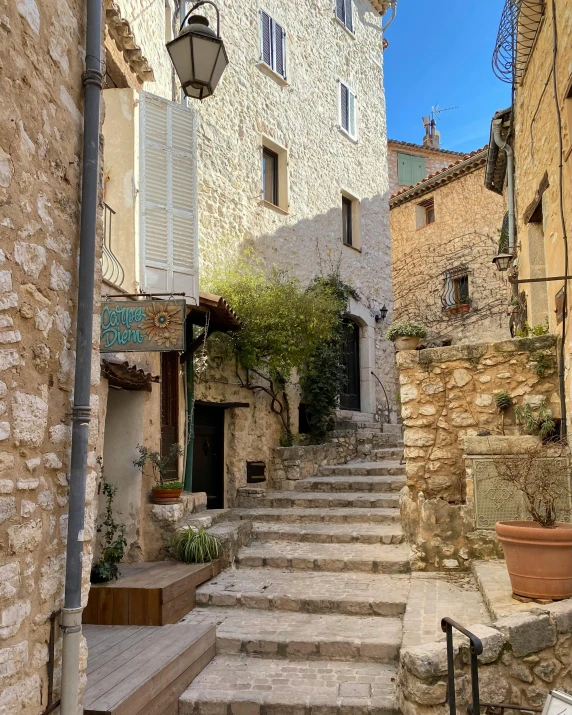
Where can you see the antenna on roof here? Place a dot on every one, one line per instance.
(432, 136)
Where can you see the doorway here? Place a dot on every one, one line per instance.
(208, 455)
(350, 397)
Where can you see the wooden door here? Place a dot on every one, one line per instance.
(350, 398)
(170, 408)
(208, 455)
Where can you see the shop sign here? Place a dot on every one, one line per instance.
(142, 326)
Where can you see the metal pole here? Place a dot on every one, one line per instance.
(81, 412)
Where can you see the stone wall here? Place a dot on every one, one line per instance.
(463, 236)
(290, 464)
(447, 397)
(435, 160)
(525, 656)
(41, 55)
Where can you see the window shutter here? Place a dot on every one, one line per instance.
(341, 10)
(266, 38)
(168, 201)
(344, 106)
(349, 19)
(351, 114)
(410, 169)
(280, 48)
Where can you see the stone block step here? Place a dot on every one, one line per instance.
(241, 685)
(318, 500)
(351, 483)
(394, 454)
(307, 592)
(393, 429)
(329, 533)
(301, 636)
(342, 515)
(299, 556)
(378, 469)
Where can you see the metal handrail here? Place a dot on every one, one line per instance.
(475, 649)
(112, 270)
(386, 397)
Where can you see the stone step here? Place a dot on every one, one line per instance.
(379, 469)
(242, 685)
(300, 556)
(307, 592)
(343, 515)
(391, 453)
(301, 636)
(329, 533)
(380, 440)
(393, 429)
(351, 483)
(283, 499)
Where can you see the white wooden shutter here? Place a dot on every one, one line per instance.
(341, 10)
(344, 119)
(349, 17)
(279, 50)
(168, 197)
(266, 38)
(351, 114)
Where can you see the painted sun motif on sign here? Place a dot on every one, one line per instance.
(162, 323)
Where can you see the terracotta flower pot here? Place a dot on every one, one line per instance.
(464, 308)
(538, 560)
(165, 496)
(406, 343)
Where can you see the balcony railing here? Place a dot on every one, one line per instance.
(517, 33)
(112, 270)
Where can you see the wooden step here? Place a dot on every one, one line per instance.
(133, 670)
(152, 593)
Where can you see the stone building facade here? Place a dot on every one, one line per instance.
(445, 232)
(41, 46)
(540, 133)
(432, 160)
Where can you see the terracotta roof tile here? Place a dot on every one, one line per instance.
(411, 145)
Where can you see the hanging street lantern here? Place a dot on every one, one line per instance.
(503, 261)
(198, 54)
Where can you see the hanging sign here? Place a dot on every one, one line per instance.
(142, 326)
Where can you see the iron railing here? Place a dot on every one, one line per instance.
(386, 397)
(517, 33)
(112, 270)
(455, 290)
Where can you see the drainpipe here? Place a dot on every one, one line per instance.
(81, 411)
(393, 7)
(506, 147)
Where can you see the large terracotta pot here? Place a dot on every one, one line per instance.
(165, 496)
(538, 560)
(406, 343)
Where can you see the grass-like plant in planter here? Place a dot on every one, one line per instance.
(113, 541)
(538, 553)
(504, 402)
(538, 423)
(165, 491)
(195, 546)
(406, 334)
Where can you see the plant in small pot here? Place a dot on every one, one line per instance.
(405, 334)
(538, 553)
(193, 545)
(464, 304)
(165, 491)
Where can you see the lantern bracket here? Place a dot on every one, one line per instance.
(197, 5)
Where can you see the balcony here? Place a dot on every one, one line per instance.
(519, 25)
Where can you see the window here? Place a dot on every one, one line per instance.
(270, 176)
(272, 44)
(425, 213)
(344, 13)
(274, 175)
(456, 289)
(348, 111)
(350, 221)
(410, 169)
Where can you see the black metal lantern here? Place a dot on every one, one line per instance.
(198, 54)
(502, 261)
(382, 314)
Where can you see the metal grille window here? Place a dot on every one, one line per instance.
(456, 288)
(270, 176)
(273, 44)
(344, 13)
(348, 111)
(517, 33)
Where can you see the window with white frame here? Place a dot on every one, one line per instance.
(272, 44)
(348, 111)
(344, 13)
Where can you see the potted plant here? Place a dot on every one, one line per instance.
(464, 304)
(538, 553)
(405, 334)
(165, 491)
(193, 545)
(513, 306)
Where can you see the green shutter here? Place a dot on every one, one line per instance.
(410, 169)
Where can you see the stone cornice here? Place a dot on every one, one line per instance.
(121, 32)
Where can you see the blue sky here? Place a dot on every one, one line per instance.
(440, 53)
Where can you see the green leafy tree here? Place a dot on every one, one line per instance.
(283, 324)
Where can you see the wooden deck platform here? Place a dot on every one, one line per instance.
(153, 593)
(137, 670)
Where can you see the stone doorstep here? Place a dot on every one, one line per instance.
(391, 453)
(342, 515)
(357, 469)
(494, 583)
(318, 500)
(301, 636)
(307, 592)
(240, 685)
(350, 483)
(329, 533)
(326, 557)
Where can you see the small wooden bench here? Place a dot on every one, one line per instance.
(153, 593)
(143, 670)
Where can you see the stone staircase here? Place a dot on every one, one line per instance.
(310, 621)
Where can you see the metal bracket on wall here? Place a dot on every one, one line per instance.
(515, 281)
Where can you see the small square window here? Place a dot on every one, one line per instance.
(425, 213)
(456, 296)
(344, 13)
(270, 176)
(348, 111)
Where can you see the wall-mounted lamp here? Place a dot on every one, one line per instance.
(502, 261)
(381, 315)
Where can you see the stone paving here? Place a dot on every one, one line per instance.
(299, 515)
(345, 483)
(330, 533)
(323, 499)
